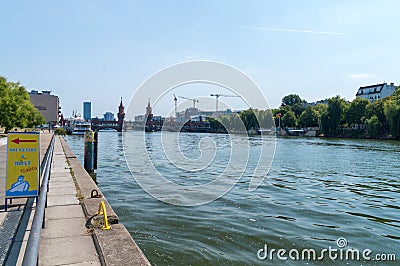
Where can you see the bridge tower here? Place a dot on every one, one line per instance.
(121, 116)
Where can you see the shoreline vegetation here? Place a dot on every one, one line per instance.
(332, 118)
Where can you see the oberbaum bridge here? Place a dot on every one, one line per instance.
(118, 125)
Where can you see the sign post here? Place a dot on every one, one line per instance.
(23, 165)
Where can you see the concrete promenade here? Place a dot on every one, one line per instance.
(73, 199)
(65, 240)
(114, 246)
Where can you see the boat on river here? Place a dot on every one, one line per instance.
(78, 126)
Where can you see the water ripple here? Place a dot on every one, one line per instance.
(317, 191)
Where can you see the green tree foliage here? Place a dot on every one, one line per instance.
(16, 109)
(309, 118)
(266, 119)
(374, 126)
(294, 103)
(242, 122)
(392, 112)
(60, 131)
(215, 125)
(321, 108)
(330, 121)
(249, 119)
(377, 108)
(396, 93)
(298, 109)
(356, 111)
(291, 100)
(289, 119)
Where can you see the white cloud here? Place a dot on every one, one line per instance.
(362, 76)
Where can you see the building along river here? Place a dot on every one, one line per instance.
(318, 190)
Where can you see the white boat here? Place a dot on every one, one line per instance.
(78, 126)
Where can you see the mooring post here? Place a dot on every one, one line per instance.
(96, 142)
(89, 151)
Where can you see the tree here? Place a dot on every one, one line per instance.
(249, 119)
(374, 126)
(16, 110)
(265, 118)
(309, 118)
(356, 111)
(237, 123)
(377, 108)
(330, 121)
(289, 119)
(298, 109)
(216, 124)
(396, 93)
(392, 112)
(321, 108)
(291, 100)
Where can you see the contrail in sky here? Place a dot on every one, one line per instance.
(292, 30)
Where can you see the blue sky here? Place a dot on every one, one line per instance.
(103, 50)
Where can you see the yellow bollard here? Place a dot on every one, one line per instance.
(102, 206)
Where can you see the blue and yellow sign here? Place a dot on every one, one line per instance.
(23, 161)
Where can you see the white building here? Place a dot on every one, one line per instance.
(376, 92)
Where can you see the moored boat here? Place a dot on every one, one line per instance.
(78, 126)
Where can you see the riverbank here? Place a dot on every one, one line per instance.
(64, 239)
(358, 134)
(345, 133)
(114, 246)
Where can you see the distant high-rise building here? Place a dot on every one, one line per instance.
(108, 116)
(87, 110)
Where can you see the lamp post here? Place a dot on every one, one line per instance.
(279, 119)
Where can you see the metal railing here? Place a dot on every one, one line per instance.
(31, 255)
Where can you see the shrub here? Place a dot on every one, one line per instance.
(60, 131)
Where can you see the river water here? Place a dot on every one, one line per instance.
(317, 191)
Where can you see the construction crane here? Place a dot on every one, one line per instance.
(217, 95)
(192, 99)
